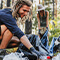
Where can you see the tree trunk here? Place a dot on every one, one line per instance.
(56, 9)
(53, 9)
(39, 1)
(43, 2)
(8, 3)
(1, 4)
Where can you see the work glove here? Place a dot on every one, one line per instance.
(35, 52)
(46, 28)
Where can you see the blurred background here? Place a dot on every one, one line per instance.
(54, 16)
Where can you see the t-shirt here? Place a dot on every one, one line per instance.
(7, 19)
(43, 19)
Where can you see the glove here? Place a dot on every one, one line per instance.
(35, 52)
(39, 31)
(47, 28)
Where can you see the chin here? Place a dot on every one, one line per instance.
(22, 16)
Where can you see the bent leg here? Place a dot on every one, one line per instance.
(14, 42)
(3, 29)
(6, 35)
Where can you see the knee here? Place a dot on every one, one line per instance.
(3, 29)
(3, 26)
(7, 32)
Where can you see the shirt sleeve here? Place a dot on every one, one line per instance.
(10, 23)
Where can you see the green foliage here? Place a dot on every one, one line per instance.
(48, 3)
(11, 50)
(55, 32)
(58, 18)
(35, 21)
(50, 13)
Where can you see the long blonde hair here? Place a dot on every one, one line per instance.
(19, 4)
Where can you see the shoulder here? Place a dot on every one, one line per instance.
(5, 12)
(7, 16)
(47, 12)
(4, 15)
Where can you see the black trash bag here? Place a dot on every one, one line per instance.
(56, 45)
(2, 53)
(34, 40)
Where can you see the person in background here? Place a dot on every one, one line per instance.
(43, 18)
(8, 25)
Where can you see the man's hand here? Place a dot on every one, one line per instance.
(46, 28)
(35, 52)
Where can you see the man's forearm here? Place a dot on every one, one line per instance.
(26, 42)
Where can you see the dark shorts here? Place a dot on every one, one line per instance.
(0, 30)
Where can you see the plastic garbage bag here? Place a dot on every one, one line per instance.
(56, 57)
(57, 44)
(38, 45)
(54, 46)
(2, 53)
(44, 39)
(15, 56)
(36, 42)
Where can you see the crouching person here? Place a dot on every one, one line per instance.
(8, 26)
